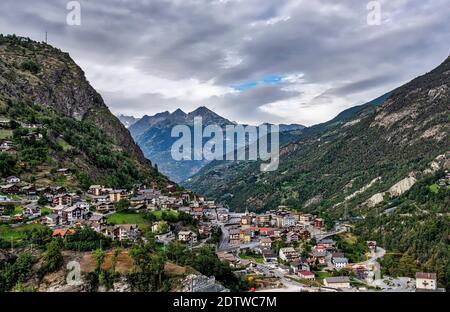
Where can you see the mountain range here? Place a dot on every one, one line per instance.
(349, 162)
(153, 135)
(127, 121)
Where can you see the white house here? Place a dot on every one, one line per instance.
(187, 236)
(288, 254)
(12, 180)
(337, 282)
(340, 263)
(426, 281)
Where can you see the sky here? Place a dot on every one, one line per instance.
(251, 61)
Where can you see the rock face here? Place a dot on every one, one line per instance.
(40, 74)
(402, 186)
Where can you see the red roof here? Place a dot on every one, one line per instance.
(62, 232)
(306, 273)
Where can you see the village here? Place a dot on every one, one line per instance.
(279, 250)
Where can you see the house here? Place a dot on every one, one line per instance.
(292, 237)
(269, 255)
(372, 245)
(246, 235)
(73, 214)
(306, 275)
(137, 200)
(263, 220)
(306, 218)
(327, 243)
(187, 236)
(31, 211)
(320, 248)
(95, 190)
(318, 223)
(104, 207)
(340, 263)
(125, 232)
(288, 221)
(337, 282)
(265, 242)
(234, 235)
(227, 257)
(63, 199)
(97, 220)
(426, 281)
(52, 220)
(304, 235)
(299, 265)
(246, 220)
(10, 189)
(62, 232)
(288, 254)
(117, 195)
(319, 256)
(12, 180)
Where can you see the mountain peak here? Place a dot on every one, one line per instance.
(178, 112)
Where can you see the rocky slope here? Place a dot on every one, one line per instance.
(386, 140)
(42, 85)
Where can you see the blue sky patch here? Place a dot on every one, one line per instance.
(270, 80)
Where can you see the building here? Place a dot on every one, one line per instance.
(288, 221)
(187, 237)
(234, 236)
(10, 189)
(95, 190)
(340, 263)
(12, 180)
(288, 254)
(265, 242)
(372, 245)
(292, 237)
(337, 282)
(269, 255)
(104, 207)
(125, 232)
(306, 275)
(246, 235)
(263, 220)
(426, 281)
(318, 223)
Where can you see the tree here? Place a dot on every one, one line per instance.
(123, 204)
(99, 256)
(53, 258)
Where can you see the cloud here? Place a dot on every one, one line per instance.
(251, 60)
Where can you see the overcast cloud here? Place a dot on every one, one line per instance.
(251, 61)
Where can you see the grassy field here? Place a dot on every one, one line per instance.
(9, 233)
(126, 217)
(4, 134)
(158, 213)
(257, 258)
(46, 211)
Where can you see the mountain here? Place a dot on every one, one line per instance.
(153, 135)
(57, 120)
(290, 127)
(340, 165)
(127, 121)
